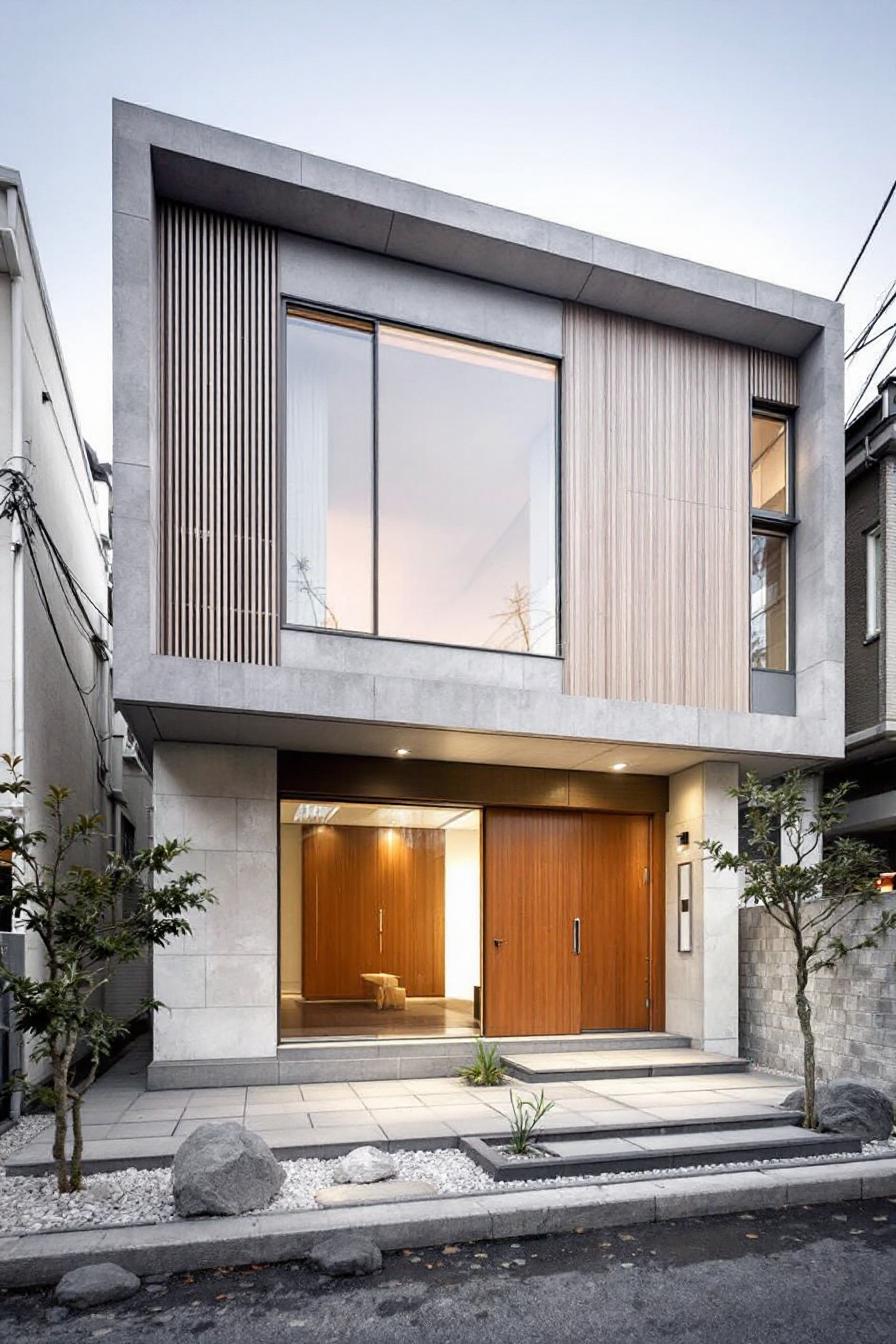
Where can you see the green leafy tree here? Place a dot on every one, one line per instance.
(812, 889)
(88, 922)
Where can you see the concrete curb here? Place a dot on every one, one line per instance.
(35, 1259)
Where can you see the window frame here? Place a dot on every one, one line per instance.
(310, 309)
(769, 522)
(873, 600)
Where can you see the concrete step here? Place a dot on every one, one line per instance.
(663, 1062)
(461, 1046)
(636, 1150)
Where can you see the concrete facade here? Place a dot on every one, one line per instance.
(854, 1004)
(701, 991)
(219, 984)
(392, 250)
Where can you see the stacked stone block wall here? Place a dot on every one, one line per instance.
(854, 1005)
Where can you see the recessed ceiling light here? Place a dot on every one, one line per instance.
(620, 765)
(402, 751)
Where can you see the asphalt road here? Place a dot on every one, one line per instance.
(825, 1274)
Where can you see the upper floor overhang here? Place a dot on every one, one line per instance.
(162, 155)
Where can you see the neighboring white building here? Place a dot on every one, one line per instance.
(55, 683)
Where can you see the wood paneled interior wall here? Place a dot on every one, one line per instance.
(349, 875)
(218, 565)
(656, 453)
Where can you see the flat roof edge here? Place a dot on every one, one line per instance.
(295, 190)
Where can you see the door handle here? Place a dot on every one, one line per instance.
(576, 936)
(498, 942)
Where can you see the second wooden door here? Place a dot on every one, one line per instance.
(615, 940)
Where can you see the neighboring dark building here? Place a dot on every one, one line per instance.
(870, 646)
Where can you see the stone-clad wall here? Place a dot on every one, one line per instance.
(854, 1006)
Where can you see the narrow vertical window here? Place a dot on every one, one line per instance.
(768, 603)
(771, 493)
(872, 583)
(329, 472)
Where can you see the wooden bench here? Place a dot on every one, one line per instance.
(386, 989)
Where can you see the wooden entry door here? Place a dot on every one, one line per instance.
(533, 887)
(615, 921)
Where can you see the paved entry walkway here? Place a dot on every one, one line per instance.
(123, 1121)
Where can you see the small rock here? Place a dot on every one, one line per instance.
(854, 1109)
(156, 1289)
(56, 1315)
(223, 1168)
(363, 1165)
(92, 1285)
(346, 1254)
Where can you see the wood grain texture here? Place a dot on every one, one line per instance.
(774, 378)
(340, 938)
(656, 455)
(387, 780)
(615, 922)
(533, 888)
(349, 874)
(412, 894)
(217, 415)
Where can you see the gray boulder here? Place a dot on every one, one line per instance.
(363, 1165)
(345, 1254)
(853, 1109)
(225, 1169)
(92, 1285)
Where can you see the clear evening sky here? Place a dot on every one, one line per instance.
(754, 135)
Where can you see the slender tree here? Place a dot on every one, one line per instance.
(88, 922)
(811, 881)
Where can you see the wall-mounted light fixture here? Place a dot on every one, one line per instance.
(683, 839)
(684, 907)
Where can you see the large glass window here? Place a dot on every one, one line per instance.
(449, 461)
(768, 603)
(467, 503)
(329, 472)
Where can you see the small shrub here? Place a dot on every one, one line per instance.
(485, 1071)
(528, 1113)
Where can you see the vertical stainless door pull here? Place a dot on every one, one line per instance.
(577, 936)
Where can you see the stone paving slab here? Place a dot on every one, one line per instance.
(38, 1259)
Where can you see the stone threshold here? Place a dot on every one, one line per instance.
(36, 1259)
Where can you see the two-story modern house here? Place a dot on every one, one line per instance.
(464, 560)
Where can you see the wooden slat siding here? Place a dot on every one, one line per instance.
(774, 378)
(217, 460)
(656, 512)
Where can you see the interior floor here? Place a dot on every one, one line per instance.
(361, 1017)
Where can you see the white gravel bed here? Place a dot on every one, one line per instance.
(22, 1132)
(30, 1204)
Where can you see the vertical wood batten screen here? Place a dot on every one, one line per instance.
(656, 460)
(774, 378)
(217, 468)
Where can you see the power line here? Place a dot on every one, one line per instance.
(871, 323)
(20, 503)
(869, 236)
(871, 339)
(868, 381)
